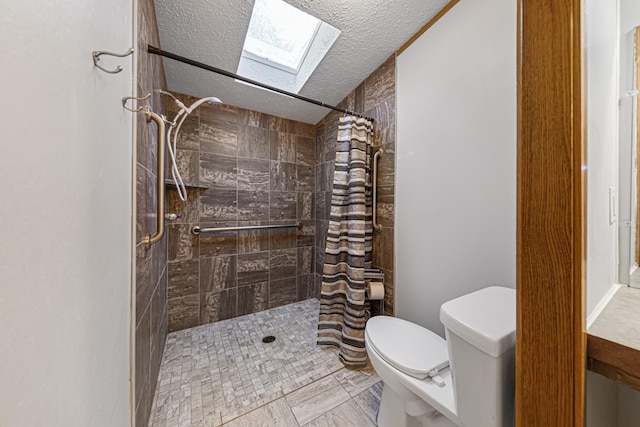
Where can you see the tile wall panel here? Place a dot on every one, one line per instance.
(375, 96)
(151, 263)
(259, 170)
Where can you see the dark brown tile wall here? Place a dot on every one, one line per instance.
(376, 98)
(259, 170)
(151, 263)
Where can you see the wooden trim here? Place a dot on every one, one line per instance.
(428, 25)
(614, 360)
(551, 343)
(614, 373)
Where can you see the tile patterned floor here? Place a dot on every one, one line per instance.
(222, 373)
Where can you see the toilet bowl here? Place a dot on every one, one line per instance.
(407, 400)
(467, 380)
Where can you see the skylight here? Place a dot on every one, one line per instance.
(280, 34)
(284, 45)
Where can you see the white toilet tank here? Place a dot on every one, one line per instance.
(481, 336)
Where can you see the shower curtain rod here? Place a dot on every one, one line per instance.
(156, 51)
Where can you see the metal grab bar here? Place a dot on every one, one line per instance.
(376, 227)
(159, 120)
(197, 230)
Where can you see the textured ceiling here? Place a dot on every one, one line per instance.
(213, 32)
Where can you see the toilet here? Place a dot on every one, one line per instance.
(466, 380)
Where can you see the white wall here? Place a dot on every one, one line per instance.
(456, 159)
(629, 19)
(605, 28)
(609, 404)
(630, 15)
(601, 67)
(65, 215)
(628, 407)
(601, 409)
(628, 399)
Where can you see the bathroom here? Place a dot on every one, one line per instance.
(104, 329)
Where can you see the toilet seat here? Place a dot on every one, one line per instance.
(408, 347)
(440, 398)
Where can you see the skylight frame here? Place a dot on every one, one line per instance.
(273, 63)
(272, 20)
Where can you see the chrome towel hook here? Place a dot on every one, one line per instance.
(96, 57)
(127, 98)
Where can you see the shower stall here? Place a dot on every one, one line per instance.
(242, 256)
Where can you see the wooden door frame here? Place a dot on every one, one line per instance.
(551, 343)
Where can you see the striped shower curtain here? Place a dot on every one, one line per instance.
(349, 243)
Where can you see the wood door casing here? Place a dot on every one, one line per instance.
(551, 343)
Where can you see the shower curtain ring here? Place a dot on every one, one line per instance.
(127, 98)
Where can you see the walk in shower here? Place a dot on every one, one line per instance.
(227, 302)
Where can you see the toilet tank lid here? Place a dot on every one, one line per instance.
(485, 318)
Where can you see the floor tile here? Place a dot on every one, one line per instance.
(214, 373)
(275, 414)
(369, 401)
(316, 399)
(348, 414)
(357, 381)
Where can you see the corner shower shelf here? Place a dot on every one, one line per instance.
(199, 185)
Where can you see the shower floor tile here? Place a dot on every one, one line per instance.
(215, 373)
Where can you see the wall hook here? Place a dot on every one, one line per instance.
(127, 98)
(96, 57)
